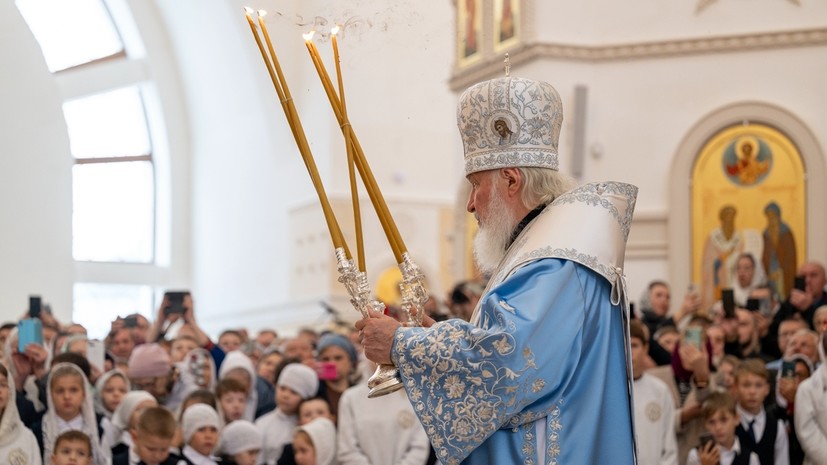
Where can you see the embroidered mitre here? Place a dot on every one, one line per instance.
(510, 122)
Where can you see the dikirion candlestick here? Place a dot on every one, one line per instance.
(412, 288)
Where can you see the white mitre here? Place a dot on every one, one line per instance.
(515, 122)
(510, 122)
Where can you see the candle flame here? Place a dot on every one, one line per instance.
(309, 36)
(262, 13)
(335, 30)
(248, 10)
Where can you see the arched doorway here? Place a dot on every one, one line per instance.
(715, 133)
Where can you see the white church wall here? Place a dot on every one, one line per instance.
(239, 180)
(598, 22)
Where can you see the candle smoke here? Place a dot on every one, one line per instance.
(352, 26)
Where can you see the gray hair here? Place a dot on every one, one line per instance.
(543, 185)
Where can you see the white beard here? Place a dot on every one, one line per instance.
(492, 239)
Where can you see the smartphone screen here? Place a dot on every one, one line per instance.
(29, 331)
(704, 439)
(693, 336)
(326, 370)
(176, 302)
(753, 305)
(764, 305)
(801, 283)
(728, 301)
(35, 306)
(788, 369)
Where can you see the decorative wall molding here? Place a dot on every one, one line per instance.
(648, 238)
(492, 65)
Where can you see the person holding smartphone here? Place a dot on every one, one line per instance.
(723, 446)
(803, 301)
(171, 311)
(808, 293)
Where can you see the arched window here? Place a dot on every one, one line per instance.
(93, 50)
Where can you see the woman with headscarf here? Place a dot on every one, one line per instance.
(338, 353)
(69, 407)
(17, 443)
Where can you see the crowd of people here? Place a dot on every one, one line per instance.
(165, 393)
(710, 386)
(738, 385)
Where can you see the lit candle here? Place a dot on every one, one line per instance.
(248, 13)
(333, 33)
(354, 190)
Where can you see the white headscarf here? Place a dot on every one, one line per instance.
(100, 408)
(240, 436)
(198, 416)
(17, 441)
(758, 278)
(323, 434)
(238, 359)
(114, 433)
(300, 378)
(10, 423)
(87, 411)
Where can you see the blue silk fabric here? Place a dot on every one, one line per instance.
(540, 379)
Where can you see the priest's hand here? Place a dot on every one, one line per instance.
(377, 336)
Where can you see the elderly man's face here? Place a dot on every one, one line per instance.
(815, 278)
(786, 331)
(495, 217)
(820, 321)
(482, 191)
(804, 343)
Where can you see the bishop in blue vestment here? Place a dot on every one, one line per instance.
(541, 374)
